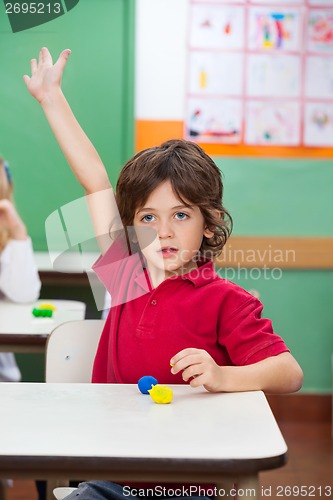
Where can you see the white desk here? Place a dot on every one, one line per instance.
(68, 271)
(75, 431)
(71, 262)
(20, 331)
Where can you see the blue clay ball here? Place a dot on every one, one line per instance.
(145, 383)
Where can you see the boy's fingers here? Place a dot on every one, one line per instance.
(61, 63)
(179, 355)
(26, 79)
(183, 353)
(33, 65)
(197, 381)
(186, 362)
(192, 372)
(46, 56)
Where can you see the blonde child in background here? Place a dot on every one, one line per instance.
(19, 280)
(168, 305)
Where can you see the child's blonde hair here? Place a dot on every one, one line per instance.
(6, 192)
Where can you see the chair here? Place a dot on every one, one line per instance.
(71, 349)
(70, 352)
(61, 493)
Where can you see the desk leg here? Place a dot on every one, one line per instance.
(3, 490)
(225, 487)
(247, 486)
(51, 484)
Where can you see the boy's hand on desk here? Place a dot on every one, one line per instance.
(45, 76)
(276, 374)
(199, 366)
(10, 219)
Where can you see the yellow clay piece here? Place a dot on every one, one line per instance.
(47, 306)
(161, 394)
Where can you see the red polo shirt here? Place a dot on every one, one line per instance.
(146, 326)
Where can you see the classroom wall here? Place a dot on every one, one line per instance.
(98, 83)
(266, 196)
(160, 57)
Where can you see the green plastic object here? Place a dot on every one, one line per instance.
(42, 313)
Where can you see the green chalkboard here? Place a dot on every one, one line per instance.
(279, 197)
(287, 197)
(299, 303)
(98, 83)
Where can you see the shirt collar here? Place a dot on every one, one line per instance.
(202, 275)
(142, 279)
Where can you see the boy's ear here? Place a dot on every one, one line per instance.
(207, 232)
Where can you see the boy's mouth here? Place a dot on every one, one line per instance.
(168, 251)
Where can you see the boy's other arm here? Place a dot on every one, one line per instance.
(276, 374)
(87, 166)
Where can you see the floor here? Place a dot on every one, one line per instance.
(310, 466)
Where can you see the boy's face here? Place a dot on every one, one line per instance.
(179, 232)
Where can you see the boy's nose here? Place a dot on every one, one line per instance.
(164, 230)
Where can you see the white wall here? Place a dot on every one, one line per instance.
(161, 38)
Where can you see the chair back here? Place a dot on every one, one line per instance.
(71, 349)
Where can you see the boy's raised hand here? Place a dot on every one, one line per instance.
(45, 76)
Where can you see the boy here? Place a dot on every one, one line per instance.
(168, 304)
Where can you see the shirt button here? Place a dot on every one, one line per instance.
(153, 302)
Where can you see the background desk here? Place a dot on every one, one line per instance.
(70, 271)
(20, 331)
(68, 280)
(69, 284)
(112, 431)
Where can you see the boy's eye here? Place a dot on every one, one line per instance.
(147, 218)
(181, 216)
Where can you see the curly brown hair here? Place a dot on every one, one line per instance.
(194, 178)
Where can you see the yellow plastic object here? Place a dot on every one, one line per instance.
(47, 306)
(161, 394)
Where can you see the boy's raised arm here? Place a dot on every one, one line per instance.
(45, 86)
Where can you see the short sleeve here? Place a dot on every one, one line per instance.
(247, 336)
(109, 264)
(118, 269)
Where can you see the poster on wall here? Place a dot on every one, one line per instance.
(217, 27)
(260, 73)
(318, 126)
(320, 30)
(320, 2)
(210, 120)
(274, 2)
(272, 122)
(272, 29)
